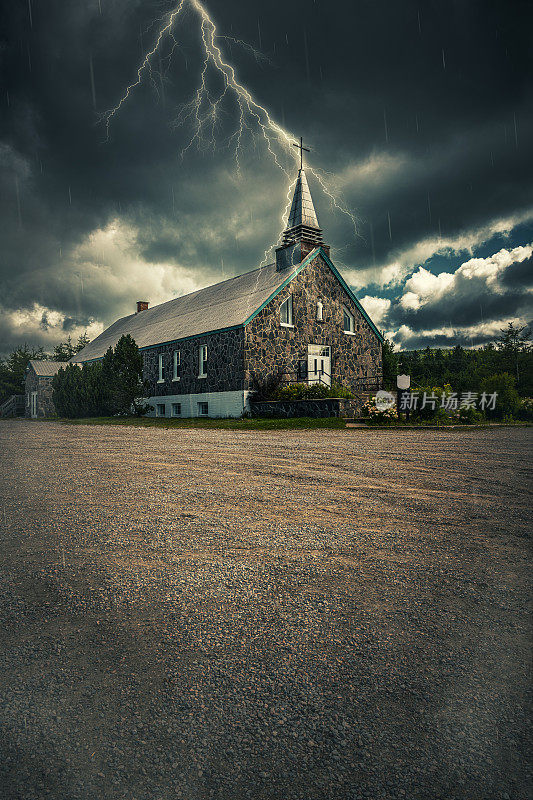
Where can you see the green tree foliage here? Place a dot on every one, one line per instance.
(13, 370)
(515, 353)
(467, 370)
(390, 364)
(65, 350)
(507, 400)
(104, 388)
(128, 369)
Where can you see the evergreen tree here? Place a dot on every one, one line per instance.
(390, 364)
(514, 347)
(64, 350)
(103, 388)
(13, 369)
(128, 367)
(83, 340)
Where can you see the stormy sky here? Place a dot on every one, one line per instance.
(419, 119)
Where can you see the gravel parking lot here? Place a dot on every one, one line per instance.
(285, 615)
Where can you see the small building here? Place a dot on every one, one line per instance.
(38, 394)
(295, 318)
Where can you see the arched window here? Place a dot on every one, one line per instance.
(319, 311)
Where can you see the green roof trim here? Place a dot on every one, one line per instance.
(296, 272)
(307, 260)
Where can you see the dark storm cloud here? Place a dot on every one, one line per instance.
(469, 303)
(519, 274)
(433, 98)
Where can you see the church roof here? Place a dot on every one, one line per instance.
(224, 305)
(302, 208)
(46, 369)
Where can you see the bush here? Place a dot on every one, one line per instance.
(468, 416)
(507, 401)
(525, 410)
(375, 416)
(313, 391)
(265, 387)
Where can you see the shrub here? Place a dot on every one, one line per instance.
(375, 416)
(525, 409)
(507, 401)
(265, 387)
(312, 391)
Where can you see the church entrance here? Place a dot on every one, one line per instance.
(318, 364)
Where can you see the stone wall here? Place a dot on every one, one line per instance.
(43, 386)
(225, 365)
(269, 346)
(323, 407)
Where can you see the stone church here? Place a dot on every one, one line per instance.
(296, 317)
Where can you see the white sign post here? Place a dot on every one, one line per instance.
(403, 382)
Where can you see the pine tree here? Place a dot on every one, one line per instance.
(13, 369)
(64, 350)
(128, 365)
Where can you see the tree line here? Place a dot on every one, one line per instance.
(507, 362)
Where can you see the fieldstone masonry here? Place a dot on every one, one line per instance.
(269, 347)
(225, 364)
(43, 386)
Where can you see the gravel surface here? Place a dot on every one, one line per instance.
(302, 615)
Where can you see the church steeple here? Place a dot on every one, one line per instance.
(302, 223)
(302, 233)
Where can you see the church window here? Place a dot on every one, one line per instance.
(161, 370)
(348, 321)
(161, 410)
(176, 409)
(285, 312)
(203, 409)
(319, 311)
(176, 365)
(202, 365)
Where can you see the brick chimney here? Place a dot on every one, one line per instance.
(142, 305)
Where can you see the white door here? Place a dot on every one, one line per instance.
(319, 364)
(33, 404)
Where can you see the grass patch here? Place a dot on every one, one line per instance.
(255, 424)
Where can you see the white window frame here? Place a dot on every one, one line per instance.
(346, 311)
(158, 409)
(287, 302)
(203, 403)
(161, 369)
(173, 413)
(202, 361)
(176, 363)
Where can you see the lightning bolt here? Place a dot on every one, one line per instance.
(145, 66)
(205, 109)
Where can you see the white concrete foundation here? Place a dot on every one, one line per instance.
(220, 404)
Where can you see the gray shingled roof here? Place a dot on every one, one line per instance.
(45, 369)
(302, 208)
(222, 305)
